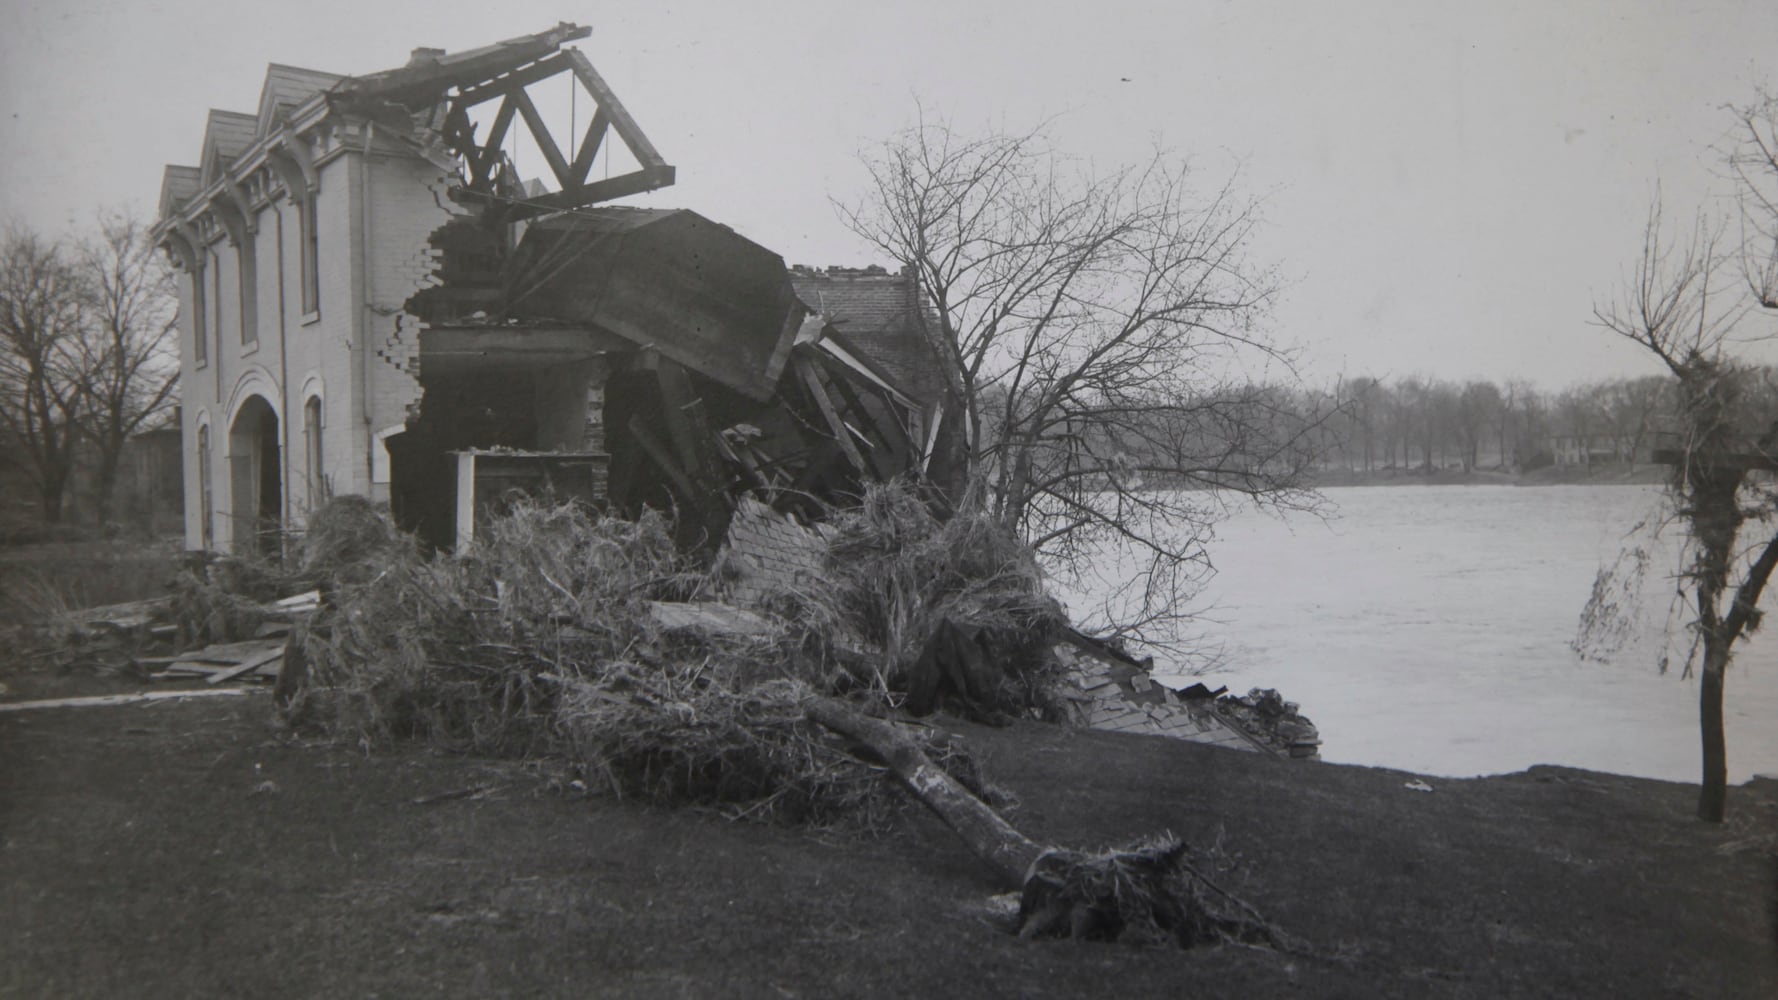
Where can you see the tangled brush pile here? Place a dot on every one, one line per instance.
(543, 637)
(899, 574)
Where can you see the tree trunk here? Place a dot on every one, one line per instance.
(1713, 792)
(105, 485)
(1009, 853)
(50, 496)
(1149, 894)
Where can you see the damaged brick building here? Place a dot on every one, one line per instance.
(374, 302)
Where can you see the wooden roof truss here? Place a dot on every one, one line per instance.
(572, 169)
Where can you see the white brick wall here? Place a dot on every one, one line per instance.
(405, 205)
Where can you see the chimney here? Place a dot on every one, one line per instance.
(424, 55)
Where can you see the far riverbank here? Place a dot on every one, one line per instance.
(1549, 475)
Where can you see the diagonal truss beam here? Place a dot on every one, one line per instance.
(571, 173)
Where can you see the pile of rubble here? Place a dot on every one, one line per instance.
(1107, 690)
(142, 635)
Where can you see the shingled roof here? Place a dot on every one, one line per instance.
(226, 135)
(286, 88)
(177, 185)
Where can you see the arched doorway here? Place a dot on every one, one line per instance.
(256, 481)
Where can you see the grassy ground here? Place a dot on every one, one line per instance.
(184, 850)
(43, 577)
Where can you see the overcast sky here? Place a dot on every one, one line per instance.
(1448, 186)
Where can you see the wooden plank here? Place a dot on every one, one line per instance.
(118, 699)
(502, 86)
(889, 454)
(247, 665)
(812, 382)
(304, 601)
(182, 672)
(230, 652)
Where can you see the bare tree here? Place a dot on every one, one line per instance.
(128, 349)
(1632, 408)
(1678, 305)
(1752, 158)
(1478, 406)
(41, 384)
(1101, 335)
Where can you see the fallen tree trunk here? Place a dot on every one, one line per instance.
(1008, 852)
(1149, 893)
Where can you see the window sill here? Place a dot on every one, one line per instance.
(249, 349)
(311, 318)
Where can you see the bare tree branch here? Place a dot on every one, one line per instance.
(1089, 322)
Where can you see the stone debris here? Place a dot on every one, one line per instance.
(1104, 690)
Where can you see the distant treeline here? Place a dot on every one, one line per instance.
(1416, 423)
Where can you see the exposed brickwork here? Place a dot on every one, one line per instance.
(593, 435)
(406, 203)
(768, 553)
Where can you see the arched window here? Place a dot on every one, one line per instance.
(206, 536)
(313, 469)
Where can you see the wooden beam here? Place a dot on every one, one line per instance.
(589, 146)
(585, 194)
(485, 157)
(519, 78)
(248, 665)
(893, 435)
(531, 346)
(546, 143)
(626, 126)
(118, 699)
(812, 382)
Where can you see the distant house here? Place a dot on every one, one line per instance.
(1588, 449)
(149, 488)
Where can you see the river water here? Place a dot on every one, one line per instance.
(1428, 628)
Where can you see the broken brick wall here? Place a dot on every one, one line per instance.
(405, 200)
(767, 553)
